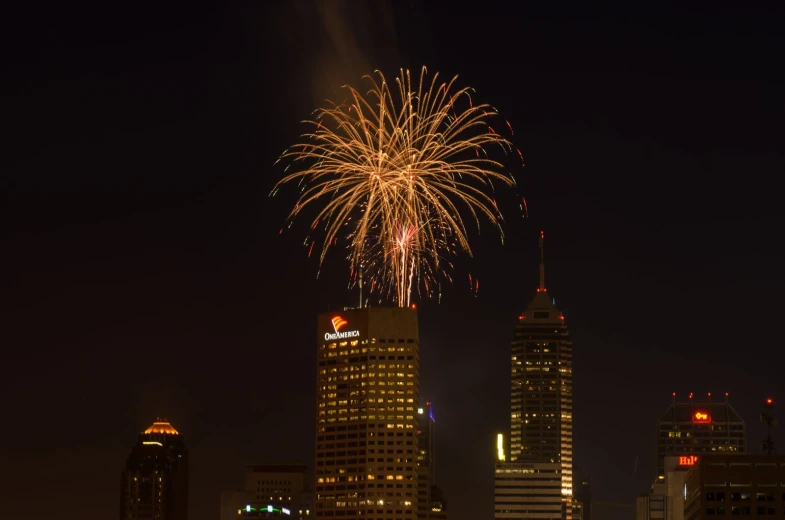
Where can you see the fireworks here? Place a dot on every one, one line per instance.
(397, 176)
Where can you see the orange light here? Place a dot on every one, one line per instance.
(768, 401)
(338, 322)
(161, 427)
(701, 417)
(688, 461)
(561, 317)
(521, 317)
(414, 306)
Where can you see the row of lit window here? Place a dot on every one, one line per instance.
(372, 400)
(370, 366)
(365, 350)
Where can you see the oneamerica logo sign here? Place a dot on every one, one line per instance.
(338, 323)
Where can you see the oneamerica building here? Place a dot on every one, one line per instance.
(366, 414)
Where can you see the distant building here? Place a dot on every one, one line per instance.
(366, 419)
(581, 491)
(430, 499)
(691, 428)
(731, 485)
(535, 480)
(154, 484)
(665, 500)
(270, 490)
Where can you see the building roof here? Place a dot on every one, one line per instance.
(684, 412)
(160, 426)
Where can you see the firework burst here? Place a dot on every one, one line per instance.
(397, 173)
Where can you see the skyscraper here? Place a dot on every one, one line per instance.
(535, 481)
(155, 480)
(366, 419)
(431, 503)
(692, 427)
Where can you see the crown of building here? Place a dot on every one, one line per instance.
(161, 426)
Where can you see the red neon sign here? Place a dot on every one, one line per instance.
(688, 461)
(701, 417)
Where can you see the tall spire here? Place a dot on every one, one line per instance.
(542, 262)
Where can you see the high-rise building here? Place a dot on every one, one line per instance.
(535, 481)
(155, 480)
(366, 419)
(431, 503)
(692, 427)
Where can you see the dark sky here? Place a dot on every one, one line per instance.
(143, 273)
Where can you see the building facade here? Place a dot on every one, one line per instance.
(693, 427)
(366, 420)
(528, 490)
(665, 500)
(732, 485)
(154, 484)
(535, 481)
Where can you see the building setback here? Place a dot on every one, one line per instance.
(154, 484)
(366, 418)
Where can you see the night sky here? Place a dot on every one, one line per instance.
(144, 274)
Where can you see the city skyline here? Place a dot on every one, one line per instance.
(146, 276)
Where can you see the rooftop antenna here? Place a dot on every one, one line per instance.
(542, 262)
(768, 417)
(361, 286)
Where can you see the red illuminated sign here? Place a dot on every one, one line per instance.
(688, 461)
(338, 322)
(701, 417)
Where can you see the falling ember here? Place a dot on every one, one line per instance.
(392, 175)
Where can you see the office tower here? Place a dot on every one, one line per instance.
(431, 503)
(727, 485)
(535, 481)
(366, 431)
(155, 480)
(691, 427)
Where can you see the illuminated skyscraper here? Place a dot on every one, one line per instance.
(366, 423)
(155, 480)
(691, 427)
(536, 479)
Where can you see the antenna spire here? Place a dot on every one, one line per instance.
(361, 286)
(542, 262)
